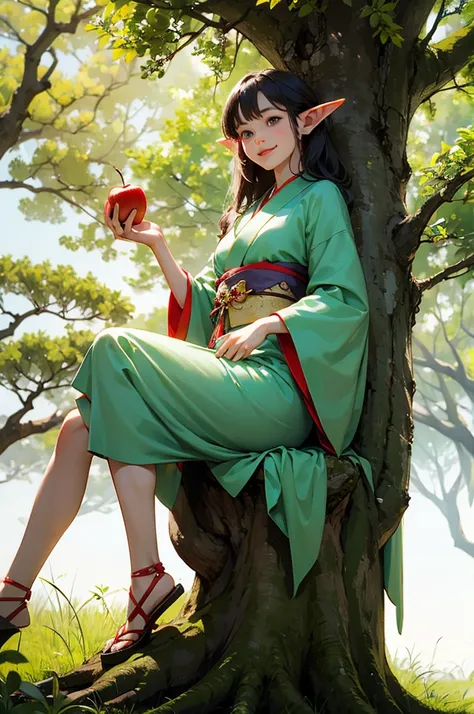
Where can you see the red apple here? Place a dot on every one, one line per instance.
(128, 197)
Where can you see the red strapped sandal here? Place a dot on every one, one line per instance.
(112, 658)
(7, 628)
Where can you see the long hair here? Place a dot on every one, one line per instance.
(319, 158)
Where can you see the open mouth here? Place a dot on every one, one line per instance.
(267, 151)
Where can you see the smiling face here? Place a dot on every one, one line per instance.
(272, 130)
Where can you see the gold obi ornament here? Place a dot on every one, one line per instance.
(243, 306)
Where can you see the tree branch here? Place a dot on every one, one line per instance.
(19, 470)
(459, 363)
(444, 195)
(13, 430)
(441, 14)
(55, 191)
(33, 7)
(450, 272)
(14, 32)
(457, 433)
(437, 64)
(407, 234)
(16, 322)
(18, 319)
(52, 131)
(412, 16)
(12, 119)
(458, 373)
(420, 486)
(449, 508)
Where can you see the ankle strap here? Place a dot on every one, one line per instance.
(158, 568)
(10, 581)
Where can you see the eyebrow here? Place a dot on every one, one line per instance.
(268, 109)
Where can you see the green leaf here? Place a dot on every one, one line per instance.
(4, 698)
(61, 703)
(28, 708)
(448, 43)
(55, 690)
(12, 657)
(12, 681)
(366, 10)
(110, 8)
(305, 10)
(374, 19)
(32, 691)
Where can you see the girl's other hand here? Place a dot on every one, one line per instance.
(144, 232)
(240, 343)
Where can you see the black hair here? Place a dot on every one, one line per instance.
(285, 90)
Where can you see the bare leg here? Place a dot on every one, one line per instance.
(56, 504)
(135, 486)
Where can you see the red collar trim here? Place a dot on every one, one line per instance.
(268, 197)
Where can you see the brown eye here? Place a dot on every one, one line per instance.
(269, 119)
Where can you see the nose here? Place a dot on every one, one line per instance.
(258, 142)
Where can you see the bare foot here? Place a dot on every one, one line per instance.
(159, 592)
(23, 617)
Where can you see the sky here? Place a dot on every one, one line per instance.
(439, 626)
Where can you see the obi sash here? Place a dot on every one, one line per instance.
(269, 285)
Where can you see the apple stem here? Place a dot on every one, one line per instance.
(120, 173)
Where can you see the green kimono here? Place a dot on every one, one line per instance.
(149, 398)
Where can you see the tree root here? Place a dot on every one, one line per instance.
(211, 691)
(242, 644)
(249, 693)
(283, 691)
(183, 646)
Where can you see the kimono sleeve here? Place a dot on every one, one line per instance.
(326, 344)
(192, 322)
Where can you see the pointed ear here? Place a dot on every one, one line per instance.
(310, 118)
(231, 144)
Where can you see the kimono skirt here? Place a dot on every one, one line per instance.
(153, 399)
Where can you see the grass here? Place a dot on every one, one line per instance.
(440, 689)
(65, 632)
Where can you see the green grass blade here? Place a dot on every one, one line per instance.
(83, 643)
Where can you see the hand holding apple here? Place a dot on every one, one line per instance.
(144, 232)
(127, 197)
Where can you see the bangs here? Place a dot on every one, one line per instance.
(246, 98)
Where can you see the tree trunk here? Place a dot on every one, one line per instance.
(241, 643)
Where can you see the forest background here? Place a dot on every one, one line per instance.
(162, 135)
